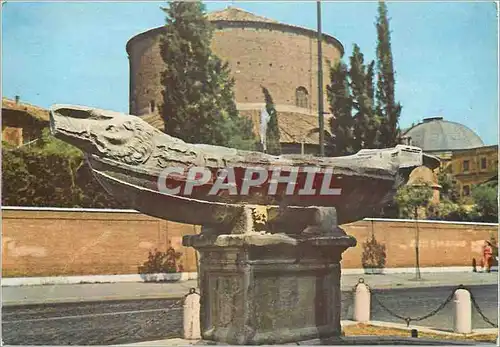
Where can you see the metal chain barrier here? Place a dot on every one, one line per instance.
(476, 306)
(408, 320)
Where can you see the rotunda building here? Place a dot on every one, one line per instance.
(261, 52)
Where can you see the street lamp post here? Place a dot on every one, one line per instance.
(320, 84)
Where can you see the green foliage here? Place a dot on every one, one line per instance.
(198, 100)
(374, 254)
(340, 102)
(50, 173)
(366, 123)
(450, 211)
(376, 112)
(486, 202)
(161, 262)
(449, 186)
(411, 198)
(273, 132)
(485, 207)
(387, 109)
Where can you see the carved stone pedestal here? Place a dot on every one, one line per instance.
(261, 288)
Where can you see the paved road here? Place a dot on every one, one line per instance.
(23, 295)
(117, 322)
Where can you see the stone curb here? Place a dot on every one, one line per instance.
(94, 279)
(186, 276)
(173, 296)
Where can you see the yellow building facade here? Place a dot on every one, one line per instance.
(461, 151)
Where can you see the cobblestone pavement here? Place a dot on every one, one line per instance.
(129, 321)
(101, 323)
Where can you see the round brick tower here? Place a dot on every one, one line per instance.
(260, 52)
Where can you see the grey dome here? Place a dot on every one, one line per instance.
(436, 134)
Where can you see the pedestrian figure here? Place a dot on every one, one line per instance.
(487, 256)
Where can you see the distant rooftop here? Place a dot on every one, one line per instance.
(436, 134)
(18, 106)
(236, 14)
(295, 126)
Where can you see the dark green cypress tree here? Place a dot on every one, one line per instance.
(198, 100)
(373, 135)
(366, 125)
(387, 108)
(340, 102)
(273, 131)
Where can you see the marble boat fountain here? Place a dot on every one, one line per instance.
(269, 260)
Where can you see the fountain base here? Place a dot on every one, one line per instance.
(261, 288)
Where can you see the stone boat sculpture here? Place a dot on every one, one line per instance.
(269, 255)
(128, 157)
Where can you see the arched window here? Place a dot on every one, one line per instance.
(301, 97)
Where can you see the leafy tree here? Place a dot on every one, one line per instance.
(366, 123)
(450, 211)
(485, 208)
(198, 99)
(50, 173)
(449, 186)
(387, 108)
(412, 198)
(486, 202)
(341, 107)
(272, 132)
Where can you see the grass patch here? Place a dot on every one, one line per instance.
(364, 329)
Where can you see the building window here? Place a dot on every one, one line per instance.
(484, 164)
(465, 166)
(466, 190)
(152, 106)
(301, 97)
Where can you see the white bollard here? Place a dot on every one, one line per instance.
(362, 299)
(192, 316)
(463, 312)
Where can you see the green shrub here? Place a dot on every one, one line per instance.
(161, 262)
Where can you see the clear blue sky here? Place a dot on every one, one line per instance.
(445, 54)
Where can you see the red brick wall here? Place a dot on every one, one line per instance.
(441, 244)
(51, 243)
(47, 243)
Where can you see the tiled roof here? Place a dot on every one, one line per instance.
(38, 113)
(236, 14)
(154, 120)
(295, 125)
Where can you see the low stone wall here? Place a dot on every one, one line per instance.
(56, 242)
